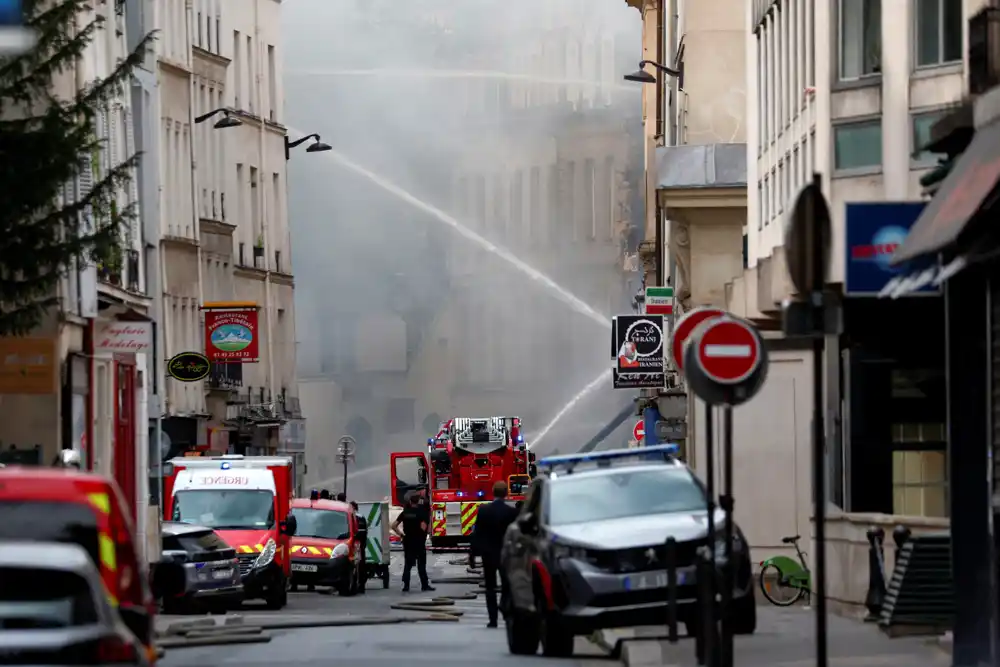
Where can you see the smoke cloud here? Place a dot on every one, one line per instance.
(461, 249)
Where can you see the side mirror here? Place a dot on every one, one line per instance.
(138, 620)
(169, 579)
(289, 526)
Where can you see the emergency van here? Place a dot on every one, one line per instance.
(247, 501)
(326, 550)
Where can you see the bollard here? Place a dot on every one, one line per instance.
(707, 642)
(876, 574)
(671, 558)
(900, 535)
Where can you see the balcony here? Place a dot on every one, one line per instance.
(225, 377)
(291, 407)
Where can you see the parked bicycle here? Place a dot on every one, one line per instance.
(784, 580)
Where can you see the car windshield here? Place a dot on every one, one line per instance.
(225, 508)
(73, 523)
(34, 598)
(327, 524)
(194, 542)
(624, 494)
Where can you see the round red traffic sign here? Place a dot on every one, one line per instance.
(729, 351)
(683, 329)
(639, 430)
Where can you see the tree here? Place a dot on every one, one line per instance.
(62, 203)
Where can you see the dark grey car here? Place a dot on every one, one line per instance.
(53, 610)
(212, 570)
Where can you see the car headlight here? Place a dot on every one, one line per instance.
(567, 551)
(339, 551)
(720, 545)
(267, 555)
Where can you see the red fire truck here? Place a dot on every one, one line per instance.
(463, 461)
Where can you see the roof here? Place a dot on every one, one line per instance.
(180, 528)
(69, 557)
(51, 475)
(706, 166)
(332, 505)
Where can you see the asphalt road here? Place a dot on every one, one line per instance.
(440, 644)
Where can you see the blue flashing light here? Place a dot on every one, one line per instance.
(430, 441)
(459, 494)
(520, 439)
(481, 494)
(657, 451)
(314, 495)
(225, 465)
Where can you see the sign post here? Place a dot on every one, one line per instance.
(725, 363)
(345, 453)
(638, 349)
(639, 431)
(816, 314)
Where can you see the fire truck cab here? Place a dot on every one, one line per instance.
(463, 461)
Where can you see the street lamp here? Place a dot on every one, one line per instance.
(317, 146)
(642, 76)
(228, 120)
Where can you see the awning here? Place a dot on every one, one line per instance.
(922, 274)
(957, 200)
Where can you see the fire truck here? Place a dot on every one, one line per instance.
(463, 461)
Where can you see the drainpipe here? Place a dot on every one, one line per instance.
(195, 199)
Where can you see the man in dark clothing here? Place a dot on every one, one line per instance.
(324, 494)
(487, 541)
(363, 538)
(415, 520)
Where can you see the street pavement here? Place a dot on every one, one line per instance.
(784, 637)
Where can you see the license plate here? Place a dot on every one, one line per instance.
(647, 580)
(300, 567)
(222, 574)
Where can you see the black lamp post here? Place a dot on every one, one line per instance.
(227, 120)
(642, 76)
(317, 146)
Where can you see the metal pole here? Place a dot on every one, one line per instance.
(727, 506)
(671, 557)
(819, 446)
(345, 475)
(158, 422)
(709, 622)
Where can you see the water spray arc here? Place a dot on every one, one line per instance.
(594, 384)
(394, 72)
(560, 292)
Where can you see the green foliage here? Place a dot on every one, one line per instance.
(48, 138)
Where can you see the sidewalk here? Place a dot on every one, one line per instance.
(784, 638)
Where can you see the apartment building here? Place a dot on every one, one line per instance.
(848, 90)
(224, 242)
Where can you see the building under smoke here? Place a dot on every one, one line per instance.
(518, 127)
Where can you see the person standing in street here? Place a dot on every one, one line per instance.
(363, 539)
(414, 521)
(487, 541)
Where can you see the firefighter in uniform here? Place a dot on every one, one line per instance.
(415, 521)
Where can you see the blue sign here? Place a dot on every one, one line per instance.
(874, 230)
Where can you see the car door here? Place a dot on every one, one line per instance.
(520, 551)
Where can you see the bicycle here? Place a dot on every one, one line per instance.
(782, 576)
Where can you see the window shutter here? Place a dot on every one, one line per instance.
(114, 142)
(133, 187)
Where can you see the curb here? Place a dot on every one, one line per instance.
(221, 639)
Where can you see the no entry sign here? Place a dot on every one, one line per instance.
(684, 328)
(725, 361)
(728, 351)
(639, 430)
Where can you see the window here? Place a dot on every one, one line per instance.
(225, 508)
(938, 32)
(65, 600)
(857, 145)
(237, 69)
(761, 96)
(196, 542)
(860, 38)
(272, 83)
(919, 470)
(617, 495)
(779, 184)
(45, 521)
(760, 206)
(767, 200)
(922, 124)
(324, 524)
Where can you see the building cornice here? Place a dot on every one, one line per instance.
(255, 120)
(216, 226)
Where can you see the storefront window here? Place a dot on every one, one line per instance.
(919, 470)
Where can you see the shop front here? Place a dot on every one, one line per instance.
(954, 245)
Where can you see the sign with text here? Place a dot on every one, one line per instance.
(639, 340)
(231, 335)
(123, 337)
(874, 231)
(28, 365)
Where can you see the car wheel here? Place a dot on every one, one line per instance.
(744, 614)
(556, 639)
(522, 633)
(349, 586)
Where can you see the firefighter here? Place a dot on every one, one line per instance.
(363, 538)
(487, 540)
(414, 521)
(324, 494)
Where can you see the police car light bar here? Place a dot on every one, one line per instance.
(656, 451)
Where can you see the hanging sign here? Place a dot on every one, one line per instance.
(231, 333)
(123, 337)
(189, 366)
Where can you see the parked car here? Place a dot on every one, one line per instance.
(326, 549)
(211, 569)
(53, 610)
